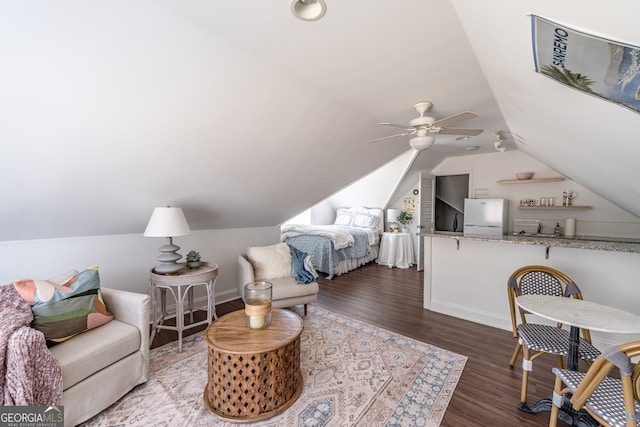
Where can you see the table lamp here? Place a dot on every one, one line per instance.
(392, 218)
(167, 222)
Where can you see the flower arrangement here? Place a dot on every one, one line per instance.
(567, 197)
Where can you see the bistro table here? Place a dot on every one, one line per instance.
(577, 314)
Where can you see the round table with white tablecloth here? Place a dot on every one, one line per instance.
(396, 250)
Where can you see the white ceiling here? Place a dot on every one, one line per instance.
(245, 116)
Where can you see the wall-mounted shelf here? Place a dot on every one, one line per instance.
(555, 207)
(528, 181)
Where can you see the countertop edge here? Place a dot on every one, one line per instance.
(582, 243)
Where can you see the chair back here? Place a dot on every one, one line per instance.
(540, 283)
(635, 381)
(619, 357)
(538, 280)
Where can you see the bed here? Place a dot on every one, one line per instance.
(350, 242)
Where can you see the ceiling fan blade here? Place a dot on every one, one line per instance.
(390, 136)
(405, 127)
(466, 132)
(452, 120)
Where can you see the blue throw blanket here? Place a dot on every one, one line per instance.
(303, 273)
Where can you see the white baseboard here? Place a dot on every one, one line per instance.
(473, 315)
(501, 322)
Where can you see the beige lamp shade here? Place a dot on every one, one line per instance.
(392, 215)
(167, 222)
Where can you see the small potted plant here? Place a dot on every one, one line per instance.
(404, 218)
(193, 259)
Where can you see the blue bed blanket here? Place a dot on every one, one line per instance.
(322, 252)
(303, 270)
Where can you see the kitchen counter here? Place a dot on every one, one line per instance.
(614, 244)
(466, 277)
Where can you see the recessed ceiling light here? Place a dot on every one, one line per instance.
(462, 138)
(471, 148)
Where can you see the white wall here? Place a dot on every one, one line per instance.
(125, 260)
(375, 189)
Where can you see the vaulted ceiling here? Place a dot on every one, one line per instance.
(245, 116)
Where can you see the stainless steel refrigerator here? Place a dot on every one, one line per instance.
(485, 217)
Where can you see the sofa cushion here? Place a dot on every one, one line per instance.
(62, 310)
(288, 288)
(270, 262)
(94, 350)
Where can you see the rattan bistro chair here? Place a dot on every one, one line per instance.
(611, 401)
(537, 339)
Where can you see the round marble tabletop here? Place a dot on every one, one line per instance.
(580, 313)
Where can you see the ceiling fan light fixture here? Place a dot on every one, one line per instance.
(308, 10)
(422, 142)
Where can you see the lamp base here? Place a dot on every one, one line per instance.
(168, 258)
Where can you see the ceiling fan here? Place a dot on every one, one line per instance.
(423, 126)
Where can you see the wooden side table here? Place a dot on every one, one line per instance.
(254, 374)
(181, 285)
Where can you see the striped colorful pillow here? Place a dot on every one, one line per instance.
(63, 310)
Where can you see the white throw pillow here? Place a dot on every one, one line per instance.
(270, 262)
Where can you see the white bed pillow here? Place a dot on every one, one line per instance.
(343, 219)
(363, 221)
(270, 262)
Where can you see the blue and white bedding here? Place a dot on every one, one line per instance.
(347, 244)
(339, 235)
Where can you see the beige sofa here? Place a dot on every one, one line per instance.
(101, 365)
(285, 292)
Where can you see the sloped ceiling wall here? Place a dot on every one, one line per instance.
(592, 141)
(245, 116)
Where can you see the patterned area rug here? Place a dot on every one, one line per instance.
(355, 374)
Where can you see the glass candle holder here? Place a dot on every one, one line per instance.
(257, 304)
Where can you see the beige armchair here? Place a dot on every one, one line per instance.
(285, 292)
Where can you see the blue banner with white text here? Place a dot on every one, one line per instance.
(592, 64)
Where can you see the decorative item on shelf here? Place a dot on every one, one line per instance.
(193, 259)
(167, 222)
(257, 304)
(528, 202)
(568, 196)
(404, 218)
(523, 176)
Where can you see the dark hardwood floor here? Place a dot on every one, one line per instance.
(488, 391)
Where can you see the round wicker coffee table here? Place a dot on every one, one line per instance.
(253, 374)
